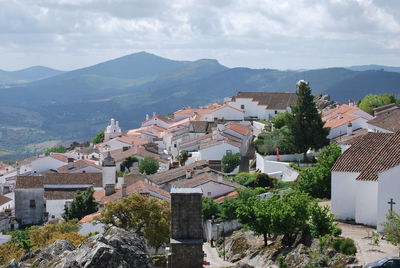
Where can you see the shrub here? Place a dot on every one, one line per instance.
(230, 162)
(148, 166)
(345, 246)
(322, 221)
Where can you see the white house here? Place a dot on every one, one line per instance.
(80, 166)
(113, 130)
(211, 182)
(211, 112)
(343, 117)
(365, 178)
(386, 123)
(121, 142)
(158, 120)
(262, 105)
(52, 161)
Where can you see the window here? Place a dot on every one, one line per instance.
(174, 145)
(228, 151)
(209, 193)
(276, 112)
(242, 106)
(32, 203)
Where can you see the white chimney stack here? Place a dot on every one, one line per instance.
(154, 114)
(349, 129)
(147, 117)
(188, 173)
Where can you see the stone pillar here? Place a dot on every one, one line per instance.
(186, 228)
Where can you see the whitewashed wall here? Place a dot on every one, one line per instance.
(225, 113)
(46, 163)
(55, 208)
(366, 203)
(218, 151)
(211, 231)
(343, 195)
(388, 187)
(215, 189)
(289, 174)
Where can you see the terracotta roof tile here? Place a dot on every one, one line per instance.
(343, 114)
(203, 178)
(390, 121)
(273, 100)
(4, 199)
(79, 164)
(242, 130)
(32, 182)
(372, 154)
(59, 157)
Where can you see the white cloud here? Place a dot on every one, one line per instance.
(258, 33)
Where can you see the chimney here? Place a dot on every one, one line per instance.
(220, 178)
(18, 169)
(109, 189)
(123, 190)
(351, 102)
(125, 148)
(154, 114)
(349, 129)
(70, 163)
(188, 173)
(147, 117)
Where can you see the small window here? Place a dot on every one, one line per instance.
(228, 151)
(209, 193)
(32, 203)
(175, 145)
(276, 112)
(242, 106)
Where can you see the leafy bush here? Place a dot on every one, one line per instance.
(148, 165)
(210, 208)
(230, 162)
(268, 142)
(282, 119)
(58, 149)
(316, 180)
(99, 137)
(322, 222)
(245, 179)
(345, 246)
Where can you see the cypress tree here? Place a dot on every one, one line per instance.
(306, 124)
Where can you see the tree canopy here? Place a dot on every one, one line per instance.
(148, 165)
(83, 204)
(149, 217)
(316, 180)
(371, 101)
(306, 125)
(99, 137)
(183, 157)
(230, 162)
(128, 163)
(57, 149)
(280, 138)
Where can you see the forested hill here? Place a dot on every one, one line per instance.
(75, 105)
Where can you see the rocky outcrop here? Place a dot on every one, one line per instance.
(115, 248)
(247, 250)
(324, 102)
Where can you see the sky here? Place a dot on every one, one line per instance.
(281, 34)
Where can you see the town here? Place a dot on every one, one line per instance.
(270, 167)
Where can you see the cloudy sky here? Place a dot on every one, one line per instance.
(283, 34)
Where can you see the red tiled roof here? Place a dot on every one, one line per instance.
(220, 199)
(342, 114)
(59, 157)
(242, 130)
(372, 154)
(79, 164)
(390, 121)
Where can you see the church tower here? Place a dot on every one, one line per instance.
(113, 130)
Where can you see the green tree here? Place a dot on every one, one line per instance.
(210, 208)
(149, 217)
(148, 165)
(57, 149)
(99, 137)
(230, 162)
(322, 221)
(290, 215)
(128, 163)
(264, 181)
(316, 180)
(228, 208)
(306, 125)
(369, 102)
(280, 138)
(391, 228)
(282, 119)
(183, 157)
(82, 205)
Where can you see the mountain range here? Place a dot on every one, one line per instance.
(41, 107)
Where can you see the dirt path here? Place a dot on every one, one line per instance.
(213, 258)
(367, 252)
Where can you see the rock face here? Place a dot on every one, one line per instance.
(324, 102)
(116, 248)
